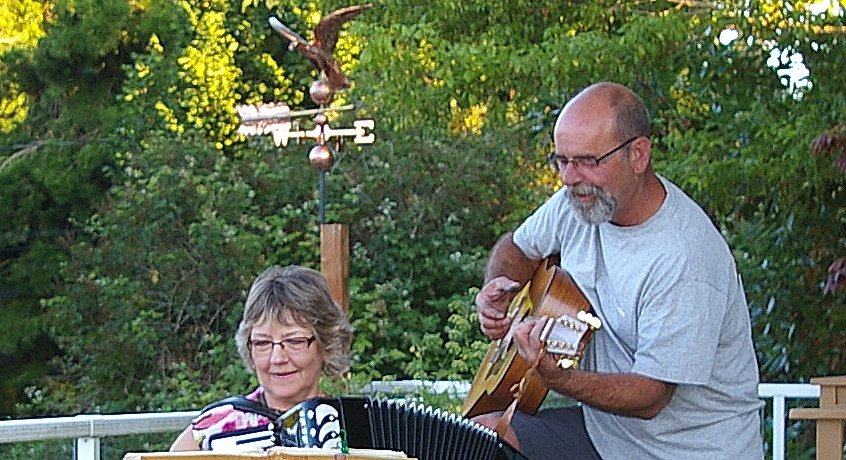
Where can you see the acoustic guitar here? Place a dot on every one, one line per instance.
(551, 292)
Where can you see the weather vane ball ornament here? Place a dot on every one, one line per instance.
(321, 92)
(321, 157)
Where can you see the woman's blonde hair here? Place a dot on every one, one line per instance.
(301, 295)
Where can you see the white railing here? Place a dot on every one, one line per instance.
(779, 392)
(87, 429)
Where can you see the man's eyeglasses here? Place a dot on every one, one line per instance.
(558, 162)
(293, 344)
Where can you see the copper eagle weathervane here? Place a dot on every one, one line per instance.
(319, 50)
(275, 118)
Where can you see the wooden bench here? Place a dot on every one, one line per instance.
(829, 416)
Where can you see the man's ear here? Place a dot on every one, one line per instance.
(640, 153)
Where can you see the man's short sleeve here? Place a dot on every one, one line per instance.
(540, 235)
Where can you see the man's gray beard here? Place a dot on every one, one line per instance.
(598, 211)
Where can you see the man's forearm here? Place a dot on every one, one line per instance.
(508, 260)
(624, 394)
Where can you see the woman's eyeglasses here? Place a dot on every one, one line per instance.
(293, 344)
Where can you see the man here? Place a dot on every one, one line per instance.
(672, 373)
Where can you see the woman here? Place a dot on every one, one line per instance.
(291, 333)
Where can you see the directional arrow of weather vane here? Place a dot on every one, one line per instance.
(274, 118)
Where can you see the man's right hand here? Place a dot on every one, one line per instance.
(492, 306)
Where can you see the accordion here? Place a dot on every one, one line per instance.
(368, 423)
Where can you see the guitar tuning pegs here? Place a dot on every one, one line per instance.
(566, 322)
(560, 345)
(592, 321)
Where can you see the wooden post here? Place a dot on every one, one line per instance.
(829, 416)
(335, 261)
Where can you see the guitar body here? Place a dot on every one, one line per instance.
(551, 292)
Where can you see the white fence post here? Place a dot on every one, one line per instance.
(778, 392)
(87, 448)
(778, 427)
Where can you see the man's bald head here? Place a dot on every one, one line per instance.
(623, 108)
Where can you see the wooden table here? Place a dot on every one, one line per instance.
(829, 416)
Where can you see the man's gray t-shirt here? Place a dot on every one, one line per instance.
(673, 309)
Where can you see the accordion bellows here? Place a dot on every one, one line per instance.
(371, 423)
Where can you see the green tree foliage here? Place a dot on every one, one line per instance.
(153, 279)
(55, 160)
(165, 214)
(20, 27)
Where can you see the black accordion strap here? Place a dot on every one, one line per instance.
(246, 405)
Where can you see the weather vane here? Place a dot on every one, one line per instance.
(275, 118)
